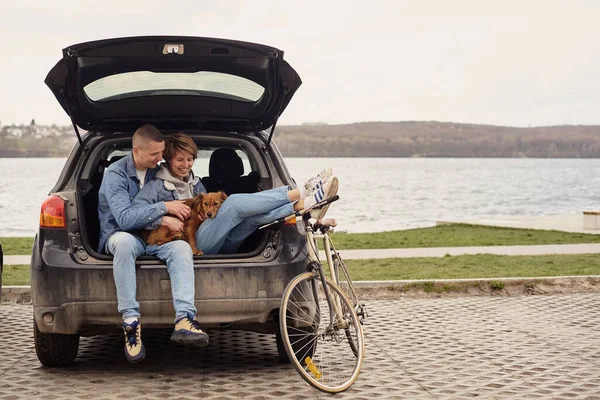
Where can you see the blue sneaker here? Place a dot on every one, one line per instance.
(187, 331)
(134, 348)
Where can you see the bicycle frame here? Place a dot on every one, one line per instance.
(315, 264)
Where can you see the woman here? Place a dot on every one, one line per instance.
(240, 214)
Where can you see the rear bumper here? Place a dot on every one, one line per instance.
(92, 317)
(78, 298)
(78, 292)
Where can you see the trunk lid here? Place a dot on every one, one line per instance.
(173, 82)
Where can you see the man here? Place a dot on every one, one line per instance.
(121, 183)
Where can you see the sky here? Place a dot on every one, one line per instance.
(512, 63)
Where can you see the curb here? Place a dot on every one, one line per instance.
(400, 283)
(16, 289)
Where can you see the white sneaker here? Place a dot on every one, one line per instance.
(317, 181)
(327, 190)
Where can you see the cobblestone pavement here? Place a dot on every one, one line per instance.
(434, 348)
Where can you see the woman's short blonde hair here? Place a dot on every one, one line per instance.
(179, 142)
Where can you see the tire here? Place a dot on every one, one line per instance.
(344, 281)
(54, 349)
(343, 284)
(1, 268)
(281, 351)
(322, 356)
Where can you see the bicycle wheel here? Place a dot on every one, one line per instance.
(346, 285)
(343, 277)
(317, 347)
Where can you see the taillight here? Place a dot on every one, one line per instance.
(52, 214)
(291, 221)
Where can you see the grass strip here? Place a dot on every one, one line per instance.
(458, 235)
(16, 246)
(448, 267)
(474, 266)
(16, 275)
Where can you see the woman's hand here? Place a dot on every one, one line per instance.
(174, 224)
(331, 222)
(178, 208)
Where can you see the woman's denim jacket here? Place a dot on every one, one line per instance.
(155, 192)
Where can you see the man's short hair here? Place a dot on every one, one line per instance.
(146, 134)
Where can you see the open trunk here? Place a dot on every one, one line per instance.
(232, 163)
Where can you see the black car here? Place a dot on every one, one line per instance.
(1, 268)
(227, 95)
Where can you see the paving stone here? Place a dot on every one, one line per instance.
(529, 347)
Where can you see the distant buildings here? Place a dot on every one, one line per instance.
(37, 131)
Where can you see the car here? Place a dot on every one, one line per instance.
(227, 95)
(1, 268)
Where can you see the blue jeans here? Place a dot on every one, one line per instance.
(126, 247)
(239, 216)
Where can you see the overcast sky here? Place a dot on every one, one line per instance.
(516, 63)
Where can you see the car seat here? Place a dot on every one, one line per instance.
(226, 173)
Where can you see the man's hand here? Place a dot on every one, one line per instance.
(178, 209)
(172, 223)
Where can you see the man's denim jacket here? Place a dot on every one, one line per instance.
(120, 185)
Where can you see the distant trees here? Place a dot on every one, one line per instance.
(437, 139)
(366, 139)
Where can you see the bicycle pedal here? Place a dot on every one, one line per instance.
(362, 312)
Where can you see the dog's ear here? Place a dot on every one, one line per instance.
(223, 195)
(197, 202)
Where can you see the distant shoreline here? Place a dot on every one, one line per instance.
(409, 139)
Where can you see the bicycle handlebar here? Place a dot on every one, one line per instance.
(299, 213)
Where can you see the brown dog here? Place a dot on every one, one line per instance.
(205, 204)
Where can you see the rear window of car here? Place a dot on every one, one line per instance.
(148, 83)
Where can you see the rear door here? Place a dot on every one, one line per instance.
(173, 82)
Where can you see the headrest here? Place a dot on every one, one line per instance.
(225, 162)
(106, 163)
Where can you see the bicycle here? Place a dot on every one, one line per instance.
(321, 317)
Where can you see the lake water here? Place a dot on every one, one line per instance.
(376, 194)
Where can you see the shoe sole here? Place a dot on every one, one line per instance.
(138, 358)
(190, 340)
(326, 172)
(331, 191)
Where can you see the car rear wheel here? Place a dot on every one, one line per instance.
(54, 349)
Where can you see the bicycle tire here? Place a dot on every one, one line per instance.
(346, 286)
(321, 356)
(343, 279)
